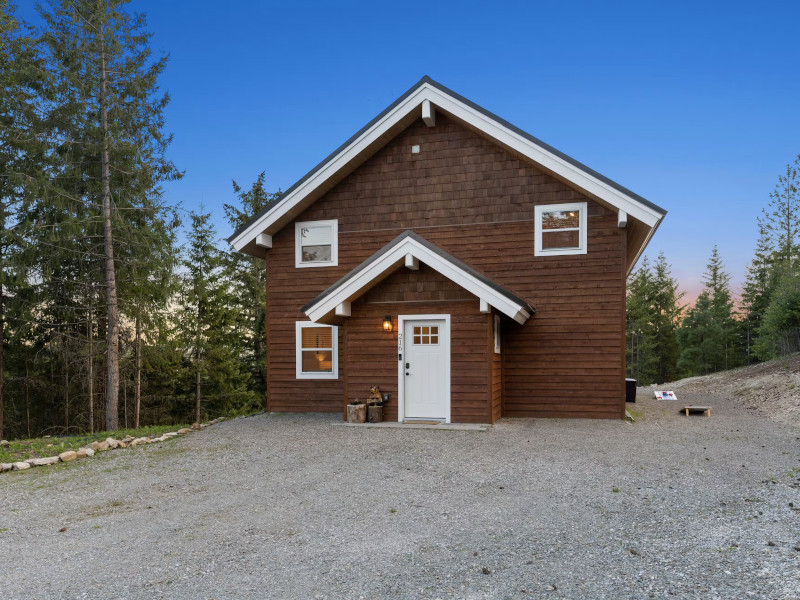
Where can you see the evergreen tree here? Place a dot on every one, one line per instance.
(779, 333)
(208, 323)
(247, 275)
(21, 157)
(708, 333)
(757, 290)
(781, 218)
(652, 320)
(107, 123)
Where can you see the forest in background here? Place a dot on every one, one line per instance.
(667, 340)
(107, 321)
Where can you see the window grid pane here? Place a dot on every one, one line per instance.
(560, 239)
(561, 220)
(425, 336)
(317, 337)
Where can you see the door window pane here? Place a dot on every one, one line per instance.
(425, 336)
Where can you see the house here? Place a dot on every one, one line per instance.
(466, 268)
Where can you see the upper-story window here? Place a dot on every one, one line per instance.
(560, 229)
(316, 243)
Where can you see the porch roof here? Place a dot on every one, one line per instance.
(409, 249)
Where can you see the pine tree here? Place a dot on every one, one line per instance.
(779, 334)
(21, 157)
(247, 275)
(641, 361)
(708, 333)
(208, 320)
(107, 123)
(757, 289)
(652, 320)
(781, 218)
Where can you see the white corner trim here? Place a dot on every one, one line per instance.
(583, 223)
(622, 219)
(334, 261)
(412, 263)
(299, 374)
(485, 308)
(354, 287)
(264, 240)
(428, 113)
(401, 387)
(426, 92)
(343, 310)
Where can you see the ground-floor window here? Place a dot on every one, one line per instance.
(317, 351)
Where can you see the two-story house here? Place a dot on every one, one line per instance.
(465, 267)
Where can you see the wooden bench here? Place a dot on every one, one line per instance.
(693, 408)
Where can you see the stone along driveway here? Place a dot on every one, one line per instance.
(279, 506)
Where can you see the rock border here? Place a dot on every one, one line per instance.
(109, 443)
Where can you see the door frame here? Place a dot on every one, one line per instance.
(401, 384)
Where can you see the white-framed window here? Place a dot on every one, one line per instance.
(316, 243)
(560, 229)
(316, 351)
(497, 334)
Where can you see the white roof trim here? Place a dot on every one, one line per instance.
(426, 92)
(394, 257)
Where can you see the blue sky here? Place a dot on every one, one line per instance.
(693, 105)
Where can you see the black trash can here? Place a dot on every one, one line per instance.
(630, 390)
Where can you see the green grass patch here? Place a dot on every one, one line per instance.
(637, 415)
(21, 450)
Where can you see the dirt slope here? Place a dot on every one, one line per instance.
(771, 389)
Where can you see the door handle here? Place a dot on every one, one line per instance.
(408, 365)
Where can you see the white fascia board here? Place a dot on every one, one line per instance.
(332, 167)
(539, 155)
(396, 256)
(492, 128)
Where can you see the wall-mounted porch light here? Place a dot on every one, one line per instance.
(387, 323)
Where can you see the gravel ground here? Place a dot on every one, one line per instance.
(280, 506)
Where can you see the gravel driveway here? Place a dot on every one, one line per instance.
(298, 506)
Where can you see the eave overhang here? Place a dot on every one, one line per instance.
(409, 249)
(421, 101)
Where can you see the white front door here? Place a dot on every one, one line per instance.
(426, 369)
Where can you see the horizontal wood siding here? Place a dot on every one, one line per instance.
(372, 352)
(476, 201)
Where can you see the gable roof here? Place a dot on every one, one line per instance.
(403, 251)
(401, 113)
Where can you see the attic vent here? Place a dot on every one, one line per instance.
(415, 149)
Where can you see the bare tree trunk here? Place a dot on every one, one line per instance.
(2, 342)
(197, 393)
(90, 336)
(27, 400)
(197, 363)
(66, 386)
(138, 388)
(112, 341)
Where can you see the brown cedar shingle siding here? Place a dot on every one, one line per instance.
(475, 201)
